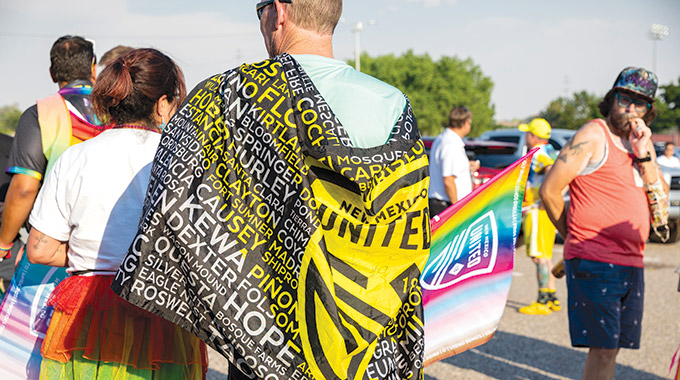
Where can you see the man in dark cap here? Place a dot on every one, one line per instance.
(609, 166)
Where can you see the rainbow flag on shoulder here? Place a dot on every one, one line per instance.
(467, 278)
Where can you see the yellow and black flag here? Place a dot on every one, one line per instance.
(273, 239)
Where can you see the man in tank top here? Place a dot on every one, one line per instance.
(608, 166)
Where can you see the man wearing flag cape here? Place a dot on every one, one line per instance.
(286, 220)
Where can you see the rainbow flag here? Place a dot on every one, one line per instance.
(24, 317)
(467, 278)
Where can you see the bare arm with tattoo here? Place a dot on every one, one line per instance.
(572, 150)
(585, 146)
(42, 249)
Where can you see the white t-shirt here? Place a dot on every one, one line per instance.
(672, 162)
(93, 197)
(447, 158)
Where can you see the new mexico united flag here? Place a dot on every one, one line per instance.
(466, 280)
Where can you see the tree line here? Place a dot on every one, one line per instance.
(436, 86)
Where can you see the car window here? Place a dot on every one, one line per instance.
(510, 139)
(555, 144)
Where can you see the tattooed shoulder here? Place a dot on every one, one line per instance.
(572, 150)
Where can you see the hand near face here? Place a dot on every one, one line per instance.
(639, 137)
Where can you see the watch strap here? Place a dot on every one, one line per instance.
(644, 159)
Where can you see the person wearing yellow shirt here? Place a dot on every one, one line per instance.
(539, 232)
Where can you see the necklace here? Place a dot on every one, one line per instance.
(136, 126)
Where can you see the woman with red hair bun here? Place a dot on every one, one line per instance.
(85, 218)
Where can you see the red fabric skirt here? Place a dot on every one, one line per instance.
(88, 316)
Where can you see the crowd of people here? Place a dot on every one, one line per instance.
(83, 200)
(81, 160)
(609, 171)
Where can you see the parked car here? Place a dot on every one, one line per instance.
(480, 150)
(558, 138)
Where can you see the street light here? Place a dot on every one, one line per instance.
(358, 27)
(657, 32)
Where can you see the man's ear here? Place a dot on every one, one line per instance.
(281, 14)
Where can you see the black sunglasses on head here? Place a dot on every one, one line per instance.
(259, 7)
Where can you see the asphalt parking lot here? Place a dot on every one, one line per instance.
(538, 347)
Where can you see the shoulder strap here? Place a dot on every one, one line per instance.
(592, 167)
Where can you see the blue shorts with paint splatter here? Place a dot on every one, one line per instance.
(605, 303)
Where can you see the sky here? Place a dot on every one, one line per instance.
(533, 50)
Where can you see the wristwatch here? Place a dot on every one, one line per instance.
(644, 159)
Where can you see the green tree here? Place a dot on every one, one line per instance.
(9, 117)
(574, 112)
(668, 108)
(434, 87)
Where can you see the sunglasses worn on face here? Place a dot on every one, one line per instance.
(624, 101)
(259, 7)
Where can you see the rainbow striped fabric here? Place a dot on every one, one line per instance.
(467, 277)
(24, 317)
